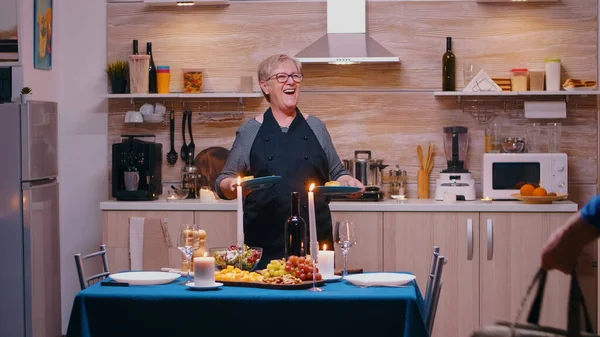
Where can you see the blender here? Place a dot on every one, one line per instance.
(455, 179)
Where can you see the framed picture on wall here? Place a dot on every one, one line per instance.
(42, 34)
(9, 35)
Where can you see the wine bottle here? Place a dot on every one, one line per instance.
(152, 88)
(448, 67)
(295, 230)
(135, 47)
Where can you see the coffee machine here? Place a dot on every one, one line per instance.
(455, 179)
(136, 168)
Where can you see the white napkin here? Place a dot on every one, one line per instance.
(482, 82)
(136, 242)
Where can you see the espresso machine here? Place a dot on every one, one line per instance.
(136, 168)
(455, 179)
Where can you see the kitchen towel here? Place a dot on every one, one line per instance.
(136, 242)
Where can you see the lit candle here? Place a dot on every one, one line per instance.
(487, 200)
(326, 259)
(204, 271)
(206, 195)
(240, 215)
(314, 248)
(171, 198)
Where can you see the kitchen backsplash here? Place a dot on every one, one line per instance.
(354, 101)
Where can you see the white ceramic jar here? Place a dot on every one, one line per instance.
(552, 74)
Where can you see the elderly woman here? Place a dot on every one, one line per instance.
(286, 142)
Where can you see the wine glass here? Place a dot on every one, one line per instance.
(345, 236)
(186, 242)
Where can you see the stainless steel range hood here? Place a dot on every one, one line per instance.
(346, 41)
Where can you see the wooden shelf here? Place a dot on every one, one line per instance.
(517, 93)
(239, 95)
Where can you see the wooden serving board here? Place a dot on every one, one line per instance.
(303, 285)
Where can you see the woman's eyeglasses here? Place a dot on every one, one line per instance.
(283, 77)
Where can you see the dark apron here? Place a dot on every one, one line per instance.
(296, 156)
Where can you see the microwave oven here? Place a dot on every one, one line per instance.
(504, 173)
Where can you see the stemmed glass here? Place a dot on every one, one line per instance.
(187, 243)
(345, 236)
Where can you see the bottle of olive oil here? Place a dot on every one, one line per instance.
(448, 68)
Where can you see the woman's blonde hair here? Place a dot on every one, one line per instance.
(270, 63)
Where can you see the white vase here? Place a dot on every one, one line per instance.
(25, 98)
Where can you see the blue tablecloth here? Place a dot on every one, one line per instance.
(341, 309)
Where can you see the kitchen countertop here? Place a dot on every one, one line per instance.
(409, 205)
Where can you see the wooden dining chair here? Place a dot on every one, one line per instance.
(434, 287)
(84, 281)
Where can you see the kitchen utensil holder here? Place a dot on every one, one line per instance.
(422, 184)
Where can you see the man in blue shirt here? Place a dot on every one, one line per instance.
(566, 244)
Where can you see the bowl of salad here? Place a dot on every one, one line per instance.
(230, 256)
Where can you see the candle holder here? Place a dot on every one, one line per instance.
(486, 200)
(314, 287)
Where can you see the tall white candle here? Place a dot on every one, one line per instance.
(240, 215)
(204, 271)
(314, 249)
(326, 262)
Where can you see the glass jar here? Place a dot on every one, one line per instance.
(518, 79)
(398, 183)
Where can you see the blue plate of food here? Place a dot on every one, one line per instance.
(253, 184)
(330, 189)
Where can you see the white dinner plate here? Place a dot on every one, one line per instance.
(145, 277)
(379, 279)
(332, 278)
(192, 286)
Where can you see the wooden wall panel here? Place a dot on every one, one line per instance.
(229, 42)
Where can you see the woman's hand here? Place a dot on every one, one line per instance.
(229, 188)
(348, 180)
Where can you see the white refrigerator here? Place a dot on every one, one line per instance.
(29, 221)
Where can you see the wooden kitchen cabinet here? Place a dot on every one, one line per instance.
(220, 227)
(115, 234)
(408, 246)
(510, 248)
(368, 251)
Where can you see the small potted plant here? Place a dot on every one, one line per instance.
(25, 94)
(117, 73)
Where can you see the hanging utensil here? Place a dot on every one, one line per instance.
(191, 145)
(172, 155)
(184, 147)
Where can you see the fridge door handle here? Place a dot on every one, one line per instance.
(29, 186)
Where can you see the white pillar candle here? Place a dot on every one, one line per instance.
(325, 265)
(204, 271)
(314, 248)
(240, 215)
(206, 195)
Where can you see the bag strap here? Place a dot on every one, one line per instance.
(575, 301)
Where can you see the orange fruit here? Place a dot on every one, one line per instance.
(527, 190)
(540, 192)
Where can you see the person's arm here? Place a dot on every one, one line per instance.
(337, 171)
(237, 162)
(565, 245)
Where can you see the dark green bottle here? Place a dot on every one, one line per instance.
(448, 68)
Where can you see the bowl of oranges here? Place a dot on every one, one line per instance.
(534, 194)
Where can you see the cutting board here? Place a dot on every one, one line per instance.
(303, 285)
(210, 163)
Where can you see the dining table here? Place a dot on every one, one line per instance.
(173, 309)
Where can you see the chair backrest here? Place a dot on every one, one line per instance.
(84, 281)
(436, 289)
(432, 271)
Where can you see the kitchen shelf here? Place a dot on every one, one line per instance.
(240, 95)
(485, 106)
(565, 93)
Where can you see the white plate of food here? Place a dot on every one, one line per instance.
(145, 277)
(380, 279)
